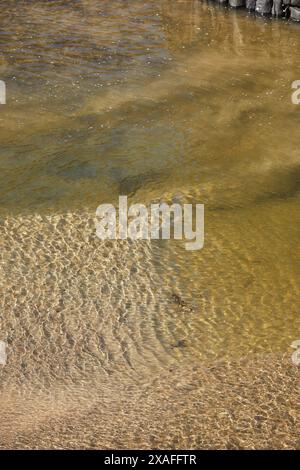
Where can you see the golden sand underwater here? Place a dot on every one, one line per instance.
(92, 365)
(127, 345)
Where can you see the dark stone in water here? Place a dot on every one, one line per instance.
(277, 9)
(237, 3)
(295, 13)
(264, 7)
(181, 343)
(179, 301)
(250, 5)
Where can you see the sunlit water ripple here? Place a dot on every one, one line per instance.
(158, 100)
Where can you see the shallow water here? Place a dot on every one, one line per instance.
(159, 100)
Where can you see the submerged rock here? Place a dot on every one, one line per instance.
(264, 7)
(295, 13)
(237, 3)
(277, 9)
(250, 5)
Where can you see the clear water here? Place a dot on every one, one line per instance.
(156, 100)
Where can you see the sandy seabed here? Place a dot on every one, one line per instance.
(88, 365)
(249, 404)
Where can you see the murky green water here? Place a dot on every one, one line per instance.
(111, 97)
(156, 100)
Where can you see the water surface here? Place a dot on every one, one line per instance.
(158, 100)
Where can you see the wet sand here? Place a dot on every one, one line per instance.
(247, 404)
(95, 359)
(115, 344)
